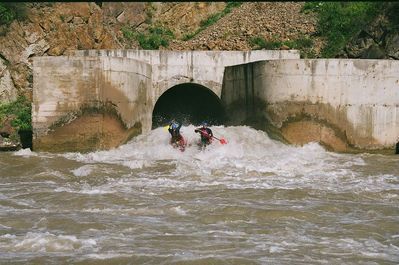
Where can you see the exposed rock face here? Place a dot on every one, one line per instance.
(377, 41)
(185, 18)
(49, 31)
(392, 45)
(8, 92)
(124, 12)
(56, 28)
(270, 20)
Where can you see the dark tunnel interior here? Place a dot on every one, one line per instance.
(189, 104)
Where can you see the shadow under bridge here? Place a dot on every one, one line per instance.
(190, 104)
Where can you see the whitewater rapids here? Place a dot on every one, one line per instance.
(251, 201)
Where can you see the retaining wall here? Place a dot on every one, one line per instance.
(63, 85)
(342, 103)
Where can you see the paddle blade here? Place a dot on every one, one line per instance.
(223, 141)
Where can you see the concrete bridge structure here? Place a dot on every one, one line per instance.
(75, 96)
(99, 99)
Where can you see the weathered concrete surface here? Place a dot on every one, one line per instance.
(171, 68)
(131, 80)
(87, 133)
(65, 87)
(343, 104)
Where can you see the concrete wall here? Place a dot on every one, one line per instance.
(132, 80)
(354, 100)
(62, 85)
(170, 68)
(341, 103)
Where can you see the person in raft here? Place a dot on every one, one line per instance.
(206, 134)
(174, 130)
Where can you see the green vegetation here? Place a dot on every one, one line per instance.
(10, 11)
(21, 109)
(212, 19)
(262, 43)
(128, 33)
(339, 22)
(304, 44)
(157, 36)
(392, 13)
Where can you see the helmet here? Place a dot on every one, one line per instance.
(204, 124)
(174, 125)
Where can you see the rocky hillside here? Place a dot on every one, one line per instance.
(54, 29)
(280, 20)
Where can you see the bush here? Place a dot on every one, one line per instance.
(155, 37)
(6, 15)
(22, 109)
(10, 11)
(339, 22)
(128, 33)
(303, 44)
(392, 11)
(265, 44)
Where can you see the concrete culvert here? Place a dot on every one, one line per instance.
(189, 103)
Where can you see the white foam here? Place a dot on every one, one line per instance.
(250, 159)
(48, 242)
(179, 210)
(25, 152)
(84, 189)
(82, 171)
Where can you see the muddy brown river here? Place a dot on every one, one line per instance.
(251, 201)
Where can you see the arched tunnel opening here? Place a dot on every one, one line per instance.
(190, 104)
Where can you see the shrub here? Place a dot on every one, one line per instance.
(265, 44)
(22, 110)
(303, 44)
(6, 15)
(155, 37)
(339, 22)
(128, 33)
(12, 10)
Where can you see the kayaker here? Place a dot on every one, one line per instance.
(206, 134)
(174, 130)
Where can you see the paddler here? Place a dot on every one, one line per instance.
(174, 130)
(206, 134)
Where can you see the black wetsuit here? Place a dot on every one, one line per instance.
(206, 135)
(397, 148)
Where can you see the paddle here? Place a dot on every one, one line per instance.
(222, 141)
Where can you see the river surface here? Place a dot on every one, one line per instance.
(250, 201)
